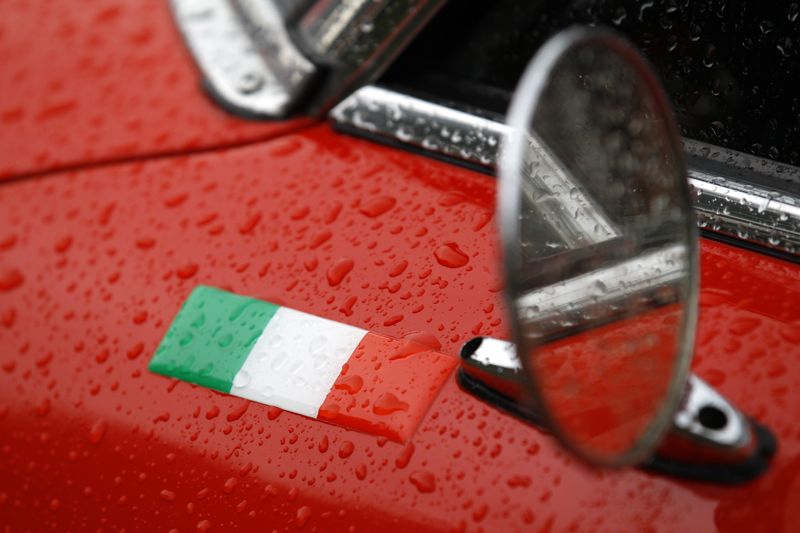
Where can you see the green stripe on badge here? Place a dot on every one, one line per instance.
(211, 337)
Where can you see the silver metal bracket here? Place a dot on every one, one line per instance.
(252, 68)
(268, 58)
(709, 439)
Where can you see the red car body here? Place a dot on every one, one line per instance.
(125, 187)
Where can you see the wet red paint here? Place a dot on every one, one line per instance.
(74, 306)
(86, 82)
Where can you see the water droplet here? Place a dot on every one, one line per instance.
(317, 344)
(452, 198)
(303, 514)
(387, 404)
(451, 256)
(135, 351)
(145, 243)
(43, 407)
(279, 360)
(338, 271)
(187, 271)
(63, 244)
(743, 325)
(250, 82)
(250, 223)
(319, 239)
(392, 320)
(225, 341)
(230, 484)
(10, 278)
(519, 480)
(8, 242)
(347, 307)
(425, 338)
(377, 206)
(791, 333)
(320, 361)
(242, 379)
(480, 513)
(346, 449)
(351, 384)
(425, 482)
(176, 200)
(98, 431)
(405, 457)
(238, 411)
(398, 269)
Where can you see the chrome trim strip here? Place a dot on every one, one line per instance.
(427, 125)
(728, 189)
(252, 68)
(746, 212)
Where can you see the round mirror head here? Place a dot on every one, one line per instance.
(599, 246)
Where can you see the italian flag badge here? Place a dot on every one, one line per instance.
(302, 363)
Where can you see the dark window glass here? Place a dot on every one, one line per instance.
(731, 68)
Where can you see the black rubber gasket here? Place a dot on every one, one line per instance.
(723, 474)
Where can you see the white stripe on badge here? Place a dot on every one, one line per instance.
(296, 361)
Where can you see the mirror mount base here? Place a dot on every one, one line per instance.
(709, 439)
(745, 468)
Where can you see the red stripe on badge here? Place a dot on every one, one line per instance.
(386, 386)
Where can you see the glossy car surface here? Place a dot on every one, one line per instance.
(96, 261)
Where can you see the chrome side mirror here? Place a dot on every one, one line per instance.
(600, 258)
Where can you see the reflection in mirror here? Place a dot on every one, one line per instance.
(599, 246)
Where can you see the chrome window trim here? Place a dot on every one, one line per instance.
(728, 189)
(433, 127)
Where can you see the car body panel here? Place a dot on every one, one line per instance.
(95, 263)
(110, 80)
